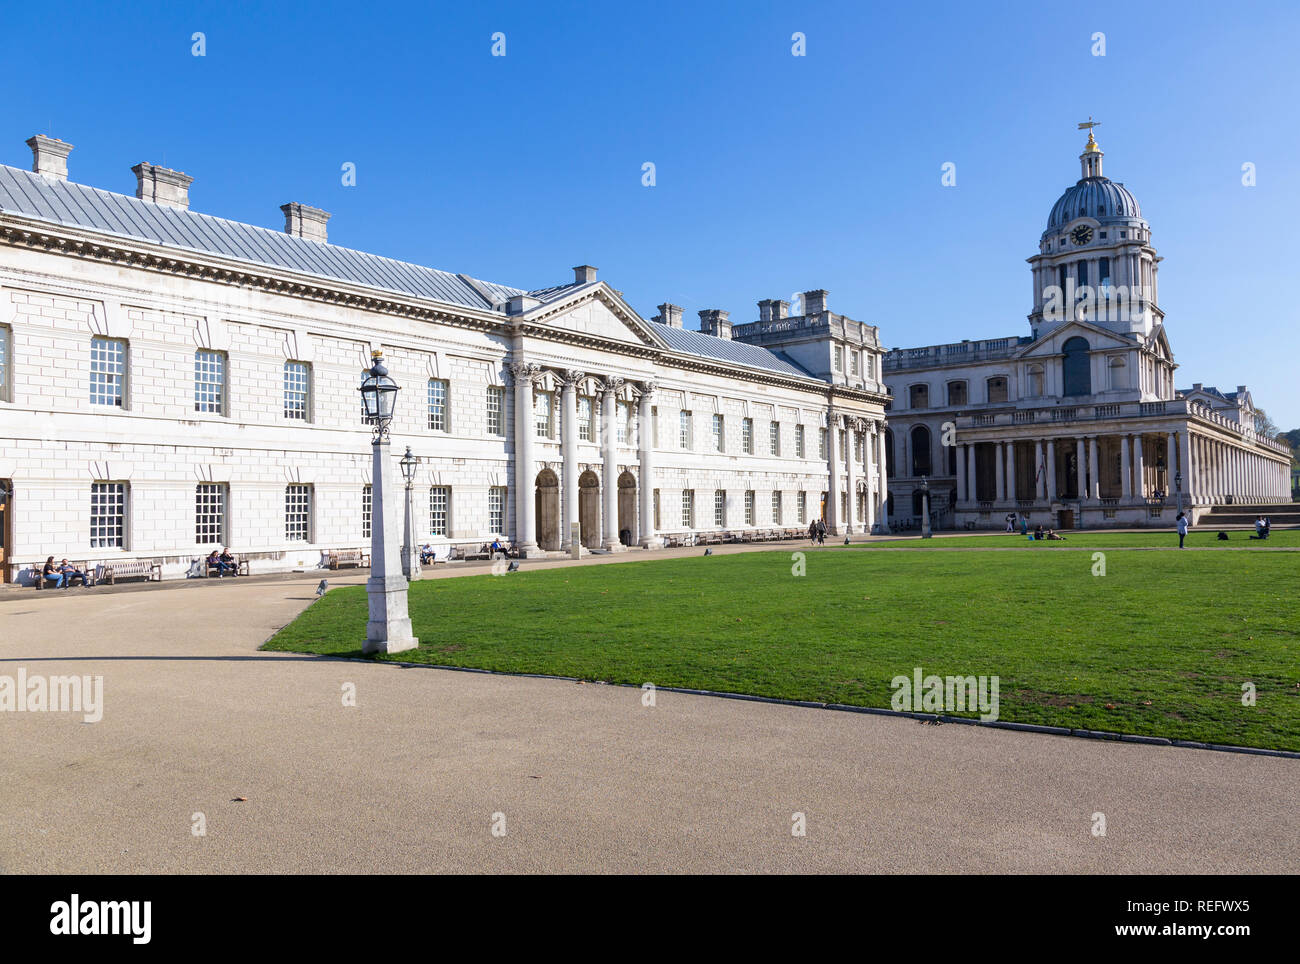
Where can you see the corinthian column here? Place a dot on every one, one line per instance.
(524, 375)
(833, 457)
(646, 493)
(849, 475)
(569, 452)
(609, 436)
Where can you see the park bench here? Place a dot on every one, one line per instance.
(140, 569)
(38, 573)
(209, 568)
(483, 552)
(349, 557)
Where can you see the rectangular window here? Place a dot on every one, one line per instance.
(798, 442)
(871, 366)
(918, 396)
(297, 388)
(774, 438)
(585, 432)
(439, 502)
(719, 507)
(497, 510)
(297, 513)
(821, 444)
(624, 418)
(857, 447)
(495, 401)
(803, 508)
(210, 382)
(854, 362)
(747, 435)
(839, 358)
(437, 405)
(367, 504)
(542, 415)
(684, 430)
(776, 508)
(1103, 270)
(749, 507)
(107, 371)
(956, 393)
(107, 515)
(719, 434)
(1083, 273)
(688, 508)
(209, 515)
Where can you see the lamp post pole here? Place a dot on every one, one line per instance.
(1178, 487)
(388, 629)
(925, 508)
(410, 552)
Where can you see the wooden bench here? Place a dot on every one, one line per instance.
(349, 557)
(241, 567)
(141, 569)
(484, 552)
(38, 574)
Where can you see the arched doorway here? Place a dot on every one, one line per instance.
(548, 510)
(626, 508)
(589, 509)
(1076, 367)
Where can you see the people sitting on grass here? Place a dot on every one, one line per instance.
(1038, 532)
(1262, 525)
(1053, 537)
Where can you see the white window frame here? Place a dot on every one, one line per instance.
(777, 498)
(210, 501)
(439, 395)
(108, 370)
(749, 507)
(440, 511)
(367, 510)
(210, 382)
(544, 415)
(720, 508)
(298, 500)
(586, 419)
(747, 435)
(685, 430)
(774, 438)
(108, 504)
(799, 442)
(495, 400)
(688, 508)
(719, 433)
(297, 390)
(497, 510)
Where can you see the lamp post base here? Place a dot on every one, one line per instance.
(389, 627)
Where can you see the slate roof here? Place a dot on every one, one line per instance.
(79, 205)
(724, 349)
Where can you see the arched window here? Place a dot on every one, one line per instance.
(1076, 367)
(921, 451)
(1118, 372)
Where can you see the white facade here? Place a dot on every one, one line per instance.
(1078, 423)
(160, 399)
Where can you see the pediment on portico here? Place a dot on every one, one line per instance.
(1099, 339)
(594, 312)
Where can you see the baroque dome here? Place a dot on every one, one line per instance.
(1094, 197)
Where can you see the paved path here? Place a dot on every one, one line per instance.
(587, 778)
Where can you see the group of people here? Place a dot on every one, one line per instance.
(1262, 526)
(223, 562)
(817, 532)
(61, 575)
(1041, 534)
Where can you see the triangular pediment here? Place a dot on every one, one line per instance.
(598, 313)
(1098, 338)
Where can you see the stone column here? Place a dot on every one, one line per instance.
(1011, 471)
(1126, 482)
(849, 475)
(1040, 472)
(1051, 471)
(609, 437)
(569, 451)
(1094, 477)
(1139, 469)
(1000, 472)
(1185, 461)
(871, 454)
(524, 375)
(833, 460)
(972, 480)
(883, 476)
(1081, 467)
(962, 495)
(647, 537)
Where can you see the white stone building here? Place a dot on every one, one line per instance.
(172, 382)
(1078, 423)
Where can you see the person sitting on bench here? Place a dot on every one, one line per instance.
(71, 572)
(213, 562)
(226, 561)
(426, 554)
(51, 574)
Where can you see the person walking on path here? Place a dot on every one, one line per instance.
(1182, 529)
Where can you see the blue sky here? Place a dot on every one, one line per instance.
(774, 173)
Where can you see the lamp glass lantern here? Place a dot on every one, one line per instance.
(409, 463)
(378, 395)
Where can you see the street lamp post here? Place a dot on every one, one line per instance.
(1178, 487)
(925, 508)
(410, 552)
(388, 629)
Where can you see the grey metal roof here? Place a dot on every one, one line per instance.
(78, 205)
(724, 349)
(1094, 197)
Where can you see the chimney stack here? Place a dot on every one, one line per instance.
(765, 310)
(584, 274)
(161, 185)
(670, 315)
(716, 322)
(814, 302)
(303, 221)
(50, 156)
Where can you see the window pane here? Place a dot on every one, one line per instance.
(295, 390)
(584, 420)
(297, 513)
(497, 510)
(209, 381)
(209, 514)
(439, 498)
(367, 504)
(495, 400)
(107, 368)
(437, 405)
(107, 514)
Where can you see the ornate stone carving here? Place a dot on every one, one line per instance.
(649, 386)
(524, 372)
(571, 376)
(612, 384)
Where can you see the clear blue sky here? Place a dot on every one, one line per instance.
(774, 173)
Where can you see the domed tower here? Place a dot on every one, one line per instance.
(1095, 261)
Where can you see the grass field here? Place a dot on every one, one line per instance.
(1159, 645)
(1155, 539)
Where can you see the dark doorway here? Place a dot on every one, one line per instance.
(1076, 367)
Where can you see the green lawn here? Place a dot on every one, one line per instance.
(1160, 645)
(1201, 538)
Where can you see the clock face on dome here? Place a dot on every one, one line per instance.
(1081, 235)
